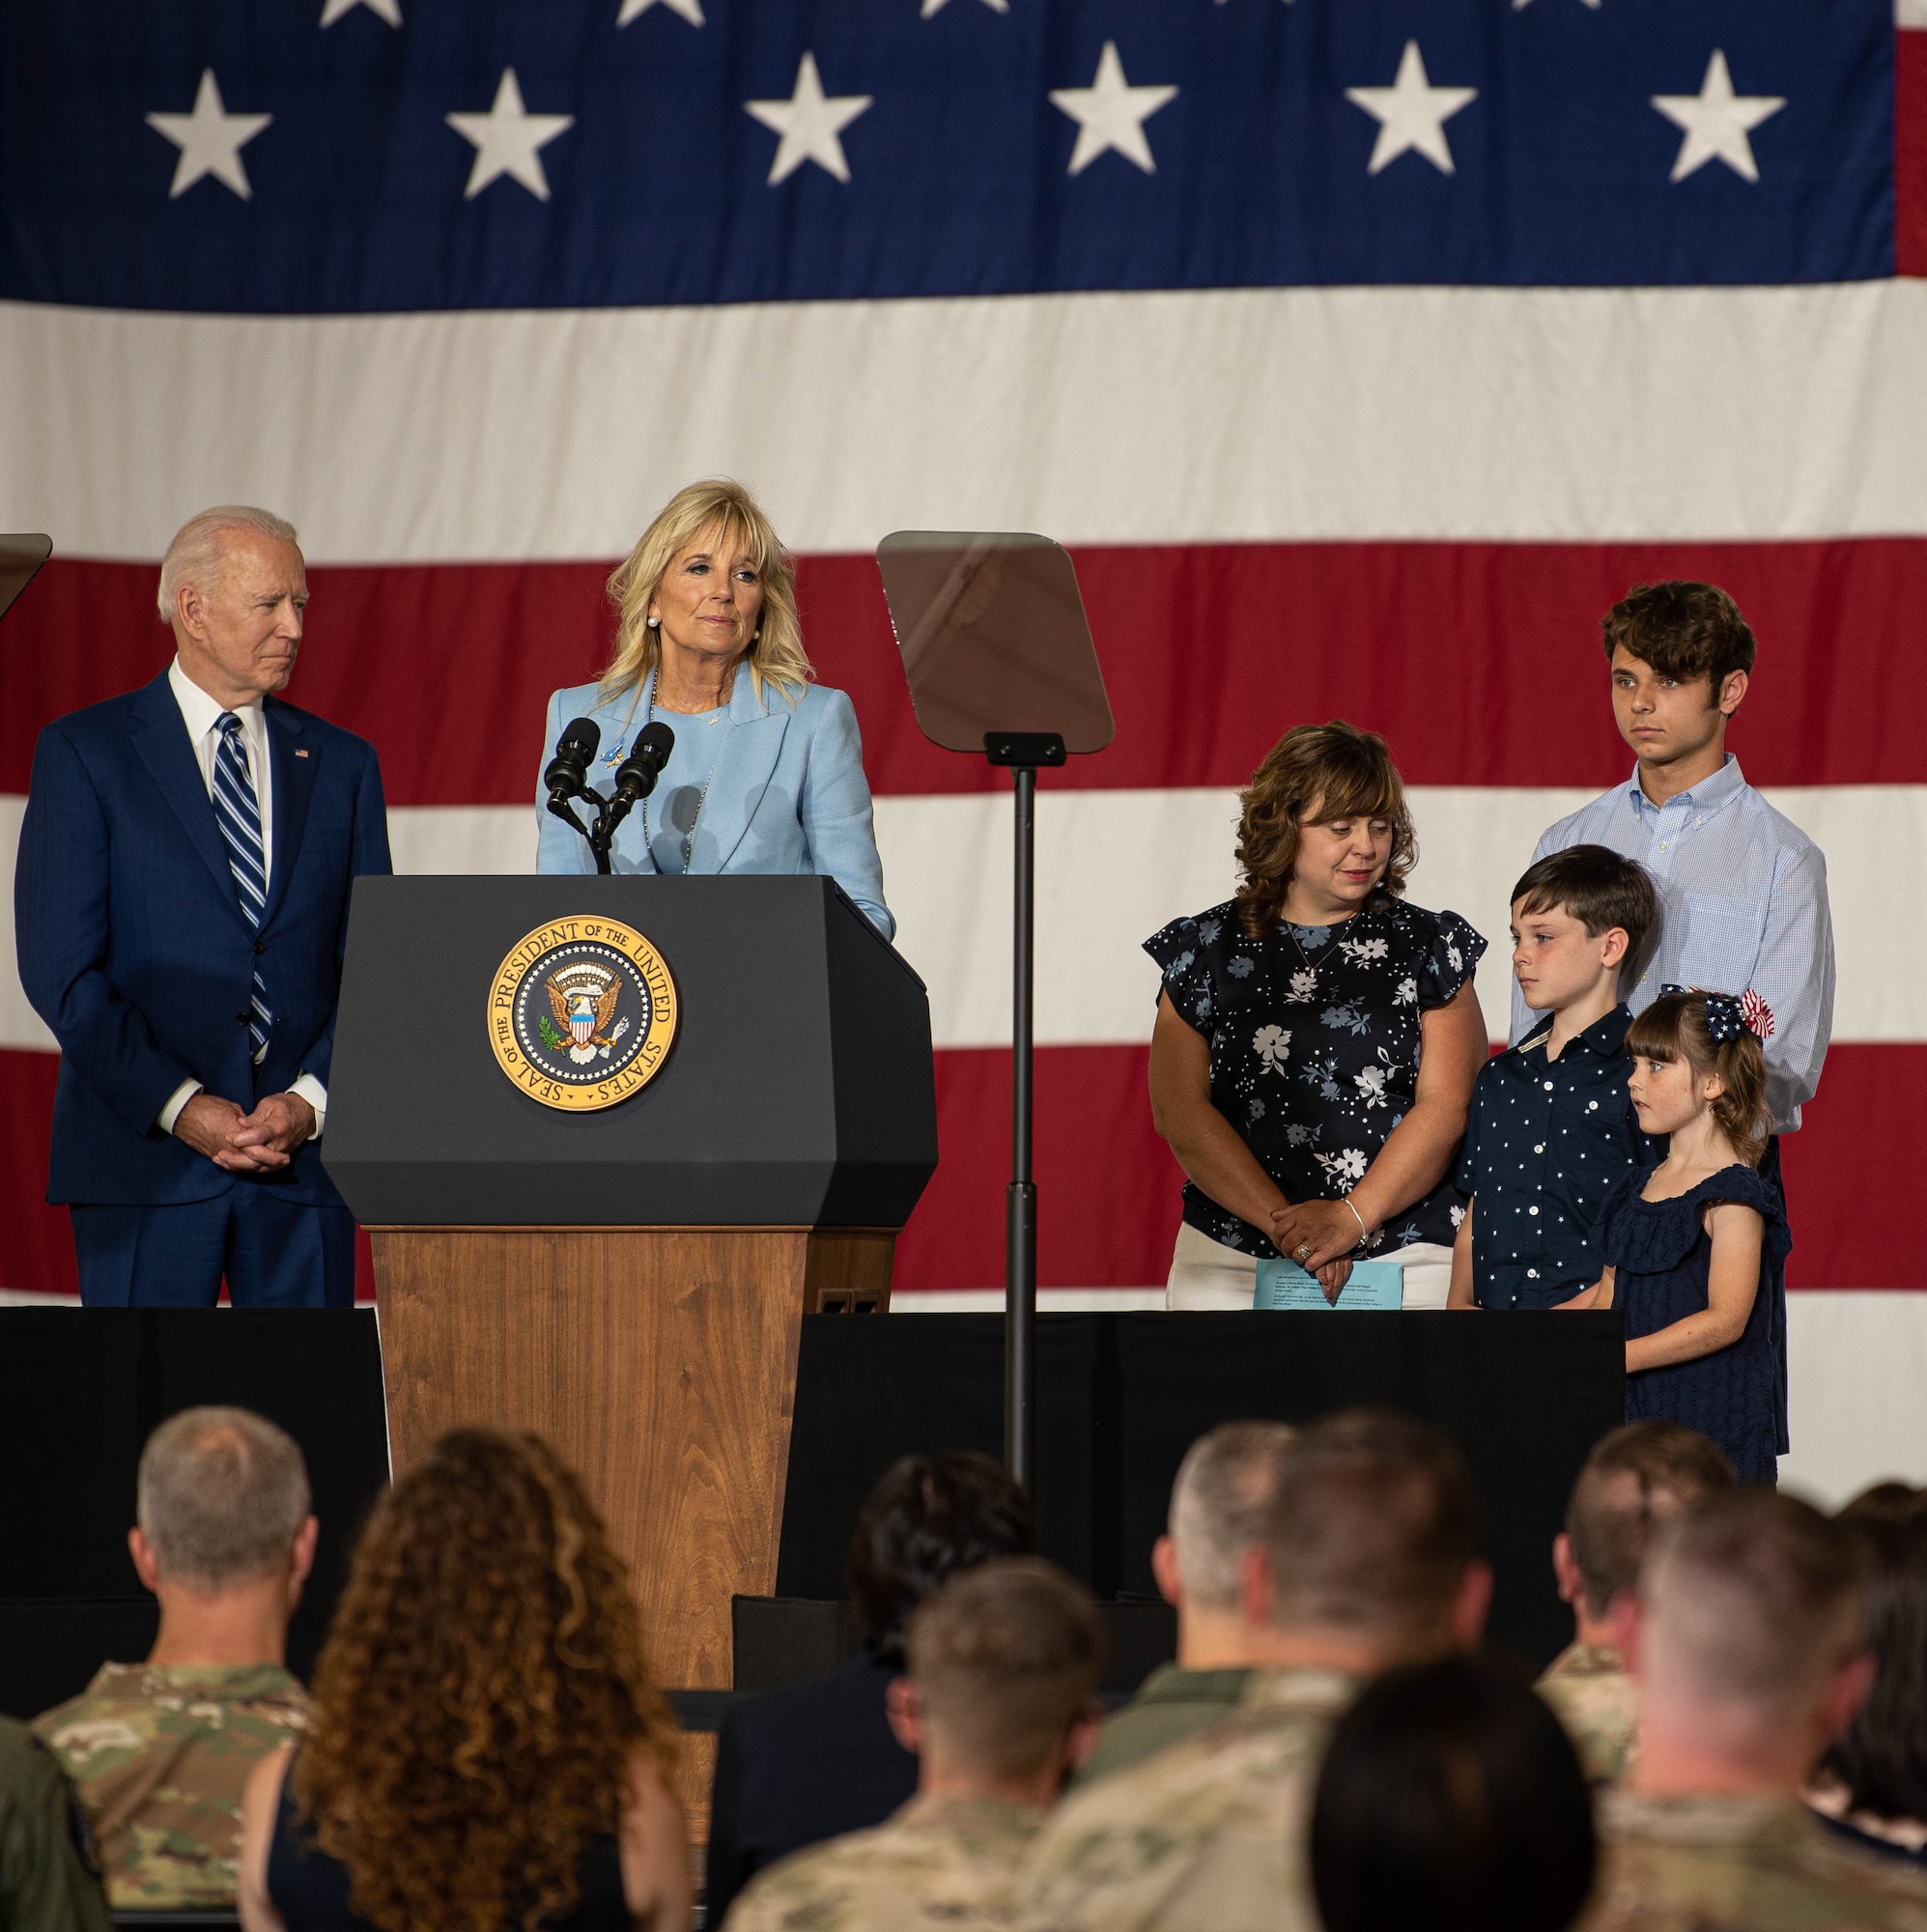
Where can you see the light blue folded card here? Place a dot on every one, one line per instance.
(1372, 1284)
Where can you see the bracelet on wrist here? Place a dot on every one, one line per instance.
(1364, 1233)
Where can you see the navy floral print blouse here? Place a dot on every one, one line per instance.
(1314, 1043)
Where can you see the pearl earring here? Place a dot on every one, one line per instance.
(655, 623)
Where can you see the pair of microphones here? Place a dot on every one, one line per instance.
(567, 778)
(636, 776)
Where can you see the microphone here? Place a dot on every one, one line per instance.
(568, 770)
(636, 775)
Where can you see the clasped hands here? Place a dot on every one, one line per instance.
(239, 1142)
(1329, 1229)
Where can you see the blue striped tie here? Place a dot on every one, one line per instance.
(238, 811)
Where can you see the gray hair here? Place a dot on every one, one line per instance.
(195, 554)
(1228, 1482)
(221, 1495)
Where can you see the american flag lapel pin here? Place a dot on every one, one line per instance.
(300, 755)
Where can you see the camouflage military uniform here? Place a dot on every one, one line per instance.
(1594, 1696)
(46, 1883)
(950, 1862)
(1761, 1863)
(1209, 1833)
(158, 1756)
(1170, 1704)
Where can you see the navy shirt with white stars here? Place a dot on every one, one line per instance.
(1545, 1141)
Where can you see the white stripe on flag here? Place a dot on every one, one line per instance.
(1585, 415)
(1114, 865)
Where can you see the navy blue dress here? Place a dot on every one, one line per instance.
(1662, 1254)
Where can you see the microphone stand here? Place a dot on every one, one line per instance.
(598, 839)
(633, 782)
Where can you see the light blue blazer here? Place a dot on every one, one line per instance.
(788, 796)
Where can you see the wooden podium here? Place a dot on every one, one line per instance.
(629, 1281)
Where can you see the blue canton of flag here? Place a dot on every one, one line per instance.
(329, 155)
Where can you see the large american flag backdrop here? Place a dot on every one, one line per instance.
(1363, 350)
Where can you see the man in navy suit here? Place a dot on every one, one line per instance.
(181, 904)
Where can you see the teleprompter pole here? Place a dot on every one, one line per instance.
(1024, 752)
(1020, 1211)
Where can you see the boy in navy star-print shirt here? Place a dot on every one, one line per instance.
(1552, 1127)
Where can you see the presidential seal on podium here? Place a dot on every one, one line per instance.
(581, 1013)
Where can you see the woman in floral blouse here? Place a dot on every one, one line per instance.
(1316, 1038)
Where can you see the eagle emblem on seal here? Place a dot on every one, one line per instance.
(582, 999)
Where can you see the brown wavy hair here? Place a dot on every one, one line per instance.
(1333, 770)
(480, 1695)
(1674, 1027)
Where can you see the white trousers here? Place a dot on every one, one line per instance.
(1206, 1274)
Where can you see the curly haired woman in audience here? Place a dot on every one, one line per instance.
(485, 1750)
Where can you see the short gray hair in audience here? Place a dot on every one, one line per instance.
(1227, 1481)
(1373, 1530)
(194, 556)
(1751, 1600)
(221, 1494)
(1005, 1657)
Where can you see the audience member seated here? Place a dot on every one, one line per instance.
(1227, 1482)
(1750, 1645)
(159, 1751)
(48, 1882)
(485, 1747)
(1885, 1502)
(997, 1706)
(816, 1759)
(1365, 1561)
(1450, 1799)
(1872, 1786)
(1636, 1478)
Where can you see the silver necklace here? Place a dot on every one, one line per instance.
(1291, 926)
(689, 838)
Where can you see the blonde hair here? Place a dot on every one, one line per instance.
(717, 504)
(194, 556)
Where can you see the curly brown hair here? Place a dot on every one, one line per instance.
(480, 1695)
(1333, 770)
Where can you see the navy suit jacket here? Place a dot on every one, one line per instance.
(133, 950)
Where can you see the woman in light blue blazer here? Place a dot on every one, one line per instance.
(767, 774)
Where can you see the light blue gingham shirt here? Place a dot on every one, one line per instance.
(1743, 903)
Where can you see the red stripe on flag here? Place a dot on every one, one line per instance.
(1480, 661)
(35, 1240)
(1110, 1182)
(1910, 153)
(1108, 1187)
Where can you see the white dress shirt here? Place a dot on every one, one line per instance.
(202, 715)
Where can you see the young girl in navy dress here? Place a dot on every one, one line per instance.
(1687, 1242)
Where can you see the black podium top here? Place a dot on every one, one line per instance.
(798, 1089)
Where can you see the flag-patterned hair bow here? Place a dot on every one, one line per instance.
(1727, 1013)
